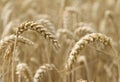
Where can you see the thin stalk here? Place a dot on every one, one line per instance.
(13, 58)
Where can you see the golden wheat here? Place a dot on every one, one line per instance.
(42, 70)
(22, 69)
(38, 28)
(10, 39)
(8, 52)
(90, 38)
(83, 28)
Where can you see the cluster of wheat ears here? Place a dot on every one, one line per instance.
(59, 41)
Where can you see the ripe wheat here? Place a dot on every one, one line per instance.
(38, 28)
(80, 45)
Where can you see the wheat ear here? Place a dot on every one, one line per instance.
(68, 18)
(8, 52)
(42, 71)
(38, 28)
(47, 23)
(80, 45)
(10, 39)
(22, 69)
(83, 30)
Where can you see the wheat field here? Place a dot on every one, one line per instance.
(59, 40)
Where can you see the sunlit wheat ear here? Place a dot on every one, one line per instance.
(10, 39)
(80, 45)
(90, 26)
(42, 71)
(82, 30)
(38, 28)
(22, 70)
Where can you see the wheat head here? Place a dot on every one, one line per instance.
(42, 70)
(80, 45)
(38, 28)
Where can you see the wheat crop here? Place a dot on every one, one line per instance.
(59, 40)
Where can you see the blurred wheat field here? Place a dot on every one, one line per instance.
(59, 40)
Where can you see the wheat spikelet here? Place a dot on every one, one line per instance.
(42, 70)
(80, 45)
(22, 69)
(39, 28)
(10, 39)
